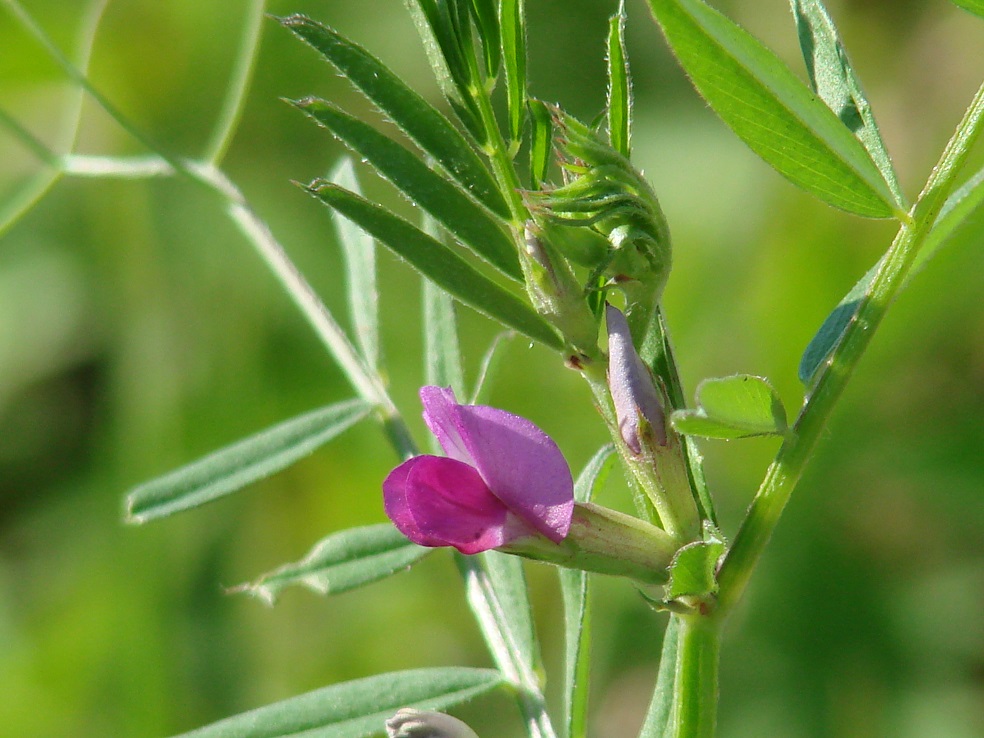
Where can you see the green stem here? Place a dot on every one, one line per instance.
(35, 188)
(498, 153)
(796, 451)
(235, 99)
(696, 694)
(657, 353)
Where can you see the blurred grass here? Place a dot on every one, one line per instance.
(137, 332)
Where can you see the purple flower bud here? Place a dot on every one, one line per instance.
(633, 391)
(503, 479)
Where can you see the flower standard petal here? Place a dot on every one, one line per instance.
(521, 465)
(440, 406)
(436, 501)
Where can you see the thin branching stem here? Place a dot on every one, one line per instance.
(234, 102)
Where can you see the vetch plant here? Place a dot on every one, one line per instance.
(542, 223)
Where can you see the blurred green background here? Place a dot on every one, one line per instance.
(138, 331)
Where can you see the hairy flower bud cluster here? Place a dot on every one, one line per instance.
(605, 217)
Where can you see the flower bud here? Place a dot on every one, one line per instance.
(555, 292)
(411, 723)
(606, 196)
(638, 409)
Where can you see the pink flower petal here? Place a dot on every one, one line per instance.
(521, 465)
(440, 406)
(436, 501)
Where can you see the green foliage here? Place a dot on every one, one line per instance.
(692, 573)
(574, 588)
(355, 709)
(512, 19)
(835, 81)
(464, 218)
(234, 467)
(961, 206)
(340, 562)
(733, 407)
(425, 126)
(437, 262)
(619, 106)
(974, 6)
(604, 215)
(764, 103)
(359, 251)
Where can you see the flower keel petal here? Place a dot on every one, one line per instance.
(437, 501)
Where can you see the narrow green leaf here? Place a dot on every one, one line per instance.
(495, 586)
(359, 252)
(442, 353)
(464, 218)
(435, 56)
(356, 709)
(577, 617)
(962, 205)
(770, 109)
(434, 22)
(491, 361)
(512, 24)
(486, 18)
(341, 562)
(503, 582)
(733, 407)
(974, 6)
(438, 263)
(422, 123)
(541, 142)
(835, 81)
(661, 705)
(833, 327)
(619, 85)
(247, 461)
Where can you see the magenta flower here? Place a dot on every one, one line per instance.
(502, 479)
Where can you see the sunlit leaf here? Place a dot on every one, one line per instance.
(236, 466)
(770, 109)
(464, 218)
(486, 17)
(340, 562)
(512, 23)
(974, 6)
(619, 85)
(835, 81)
(438, 263)
(422, 123)
(356, 709)
(733, 407)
